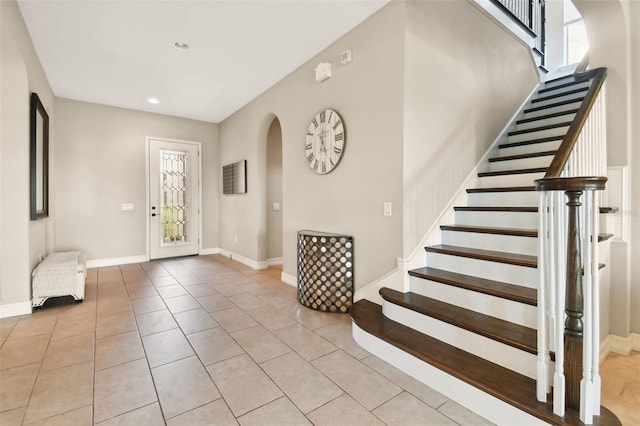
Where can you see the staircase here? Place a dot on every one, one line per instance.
(467, 327)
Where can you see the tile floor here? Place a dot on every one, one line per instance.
(204, 340)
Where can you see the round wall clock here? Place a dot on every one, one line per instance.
(325, 141)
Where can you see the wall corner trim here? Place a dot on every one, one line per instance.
(292, 280)
(624, 345)
(15, 309)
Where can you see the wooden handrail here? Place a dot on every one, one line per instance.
(583, 183)
(571, 137)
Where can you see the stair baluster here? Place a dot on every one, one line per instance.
(580, 342)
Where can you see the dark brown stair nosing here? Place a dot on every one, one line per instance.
(564, 77)
(515, 232)
(524, 260)
(606, 210)
(530, 142)
(514, 172)
(540, 128)
(560, 86)
(559, 95)
(546, 116)
(499, 330)
(553, 105)
(604, 237)
(499, 289)
(522, 156)
(501, 189)
(519, 209)
(493, 379)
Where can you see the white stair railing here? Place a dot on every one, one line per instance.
(568, 292)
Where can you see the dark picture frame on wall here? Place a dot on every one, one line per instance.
(39, 159)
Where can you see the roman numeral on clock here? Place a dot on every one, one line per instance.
(335, 126)
(339, 136)
(322, 116)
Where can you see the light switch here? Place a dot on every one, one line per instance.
(276, 207)
(387, 208)
(127, 206)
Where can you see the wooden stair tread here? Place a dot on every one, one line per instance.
(530, 142)
(553, 105)
(540, 128)
(606, 210)
(516, 232)
(559, 86)
(500, 289)
(508, 333)
(546, 116)
(502, 189)
(530, 209)
(522, 156)
(514, 172)
(504, 384)
(527, 209)
(488, 255)
(561, 94)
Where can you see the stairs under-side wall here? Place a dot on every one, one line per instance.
(467, 327)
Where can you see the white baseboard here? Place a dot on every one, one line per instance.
(624, 345)
(14, 309)
(206, 251)
(253, 264)
(97, 263)
(292, 280)
(275, 261)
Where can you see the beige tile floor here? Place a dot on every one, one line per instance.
(204, 340)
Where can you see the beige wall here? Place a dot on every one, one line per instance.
(22, 240)
(463, 83)
(614, 44)
(101, 161)
(274, 191)
(349, 200)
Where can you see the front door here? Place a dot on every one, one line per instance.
(174, 194)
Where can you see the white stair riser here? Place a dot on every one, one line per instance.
(519, 164)
(530, 149)
(518, 275)
(490, 407)
(558, 131)
(552, 110)
(497, 307)
(563, 89)
(558, 99)
(489, 349)
(524, 179)
(527, 220)
(515, 198)
(495, 242)
(544, 122)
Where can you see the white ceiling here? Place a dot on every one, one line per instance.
(121, 53)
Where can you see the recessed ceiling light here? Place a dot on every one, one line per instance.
(153, 101)
(180, 45)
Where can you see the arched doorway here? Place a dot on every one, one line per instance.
(274, 193)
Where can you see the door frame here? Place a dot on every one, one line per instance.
(148, 189)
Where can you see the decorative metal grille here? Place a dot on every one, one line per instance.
(325, 271)
(174, 178)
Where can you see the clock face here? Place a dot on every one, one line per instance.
(325, 141)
